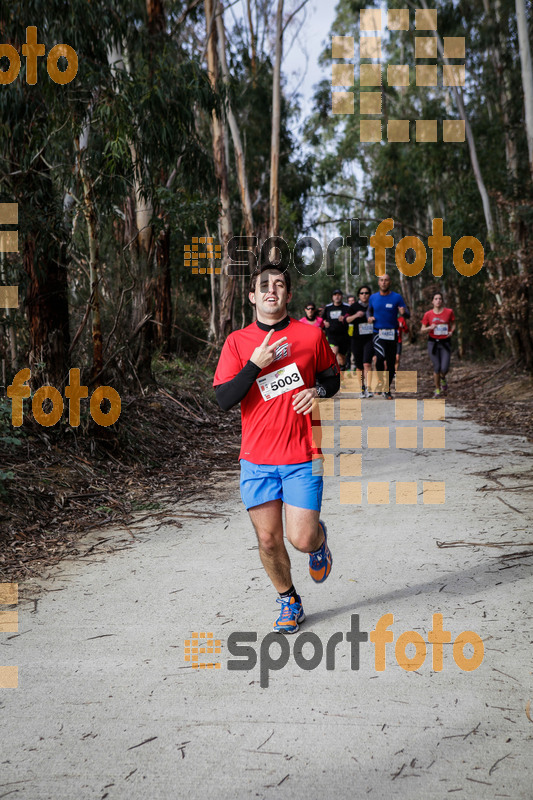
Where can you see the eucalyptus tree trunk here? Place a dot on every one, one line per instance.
(527, 74)
(244, 191)
(92, 234)
(227, 282)
(44, 259)
(482, 189)
(141, 248)
(276, 120)
(252, 42)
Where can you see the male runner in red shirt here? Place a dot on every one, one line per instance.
(275, 368)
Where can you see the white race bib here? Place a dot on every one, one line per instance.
(440, 330)
(335, 314)
(282, 380)
(388, 334)
(365, 328)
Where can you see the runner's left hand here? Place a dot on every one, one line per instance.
(303, 401)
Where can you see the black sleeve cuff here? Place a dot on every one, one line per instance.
(231, 393)
(330, 380)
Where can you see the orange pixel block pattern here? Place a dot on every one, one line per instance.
(8, 624)
(201, 643)
(192, 255)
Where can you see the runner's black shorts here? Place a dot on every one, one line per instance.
(341, 341)
(363, 350)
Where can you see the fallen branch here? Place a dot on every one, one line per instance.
(462, 543)
(188, 410)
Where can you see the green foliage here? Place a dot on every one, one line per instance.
(413, 182)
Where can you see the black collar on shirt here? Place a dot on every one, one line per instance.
(277, 327)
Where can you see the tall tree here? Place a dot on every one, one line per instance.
(276, 120)
(527, 74)
(219, 136)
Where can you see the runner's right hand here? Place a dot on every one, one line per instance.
(264, 354)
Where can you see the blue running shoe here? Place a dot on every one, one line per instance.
(291, 614)
(321, 561)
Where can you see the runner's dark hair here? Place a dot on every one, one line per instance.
(364, 286)
(264, 266)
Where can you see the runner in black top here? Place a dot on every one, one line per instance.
(336, 326)
(362, 348)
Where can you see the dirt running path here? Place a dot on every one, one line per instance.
(107, 707)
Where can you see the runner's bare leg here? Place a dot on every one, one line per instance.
(303, 530)
(268, 524)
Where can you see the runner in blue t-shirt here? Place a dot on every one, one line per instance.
(383, 310)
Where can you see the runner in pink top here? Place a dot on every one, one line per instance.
(311, 316)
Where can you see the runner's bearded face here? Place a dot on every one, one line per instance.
(270, 297)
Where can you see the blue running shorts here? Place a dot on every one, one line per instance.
(297, 485)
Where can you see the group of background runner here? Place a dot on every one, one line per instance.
(368, 330)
